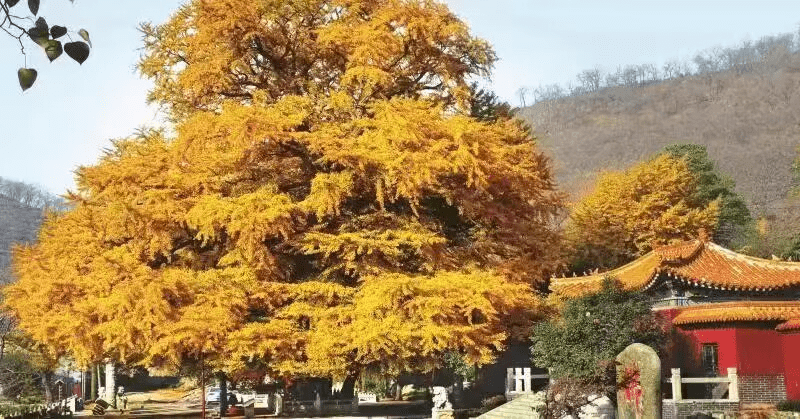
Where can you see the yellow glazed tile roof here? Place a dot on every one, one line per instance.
(633, 276)
(789, 325)
(736, 311)
(701, 263)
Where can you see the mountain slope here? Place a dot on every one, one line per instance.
(18, 224)
(749, 122)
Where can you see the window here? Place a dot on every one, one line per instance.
(710, 359)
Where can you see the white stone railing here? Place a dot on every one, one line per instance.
(367, 397)
(319, 406)
(519, 381)
(732, 380)
(64, 406)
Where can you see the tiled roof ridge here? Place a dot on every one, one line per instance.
(792, 324)
(747, 303)
(733, 311)
(697, 262)
(659, 252)
(609, 273)
(752, 260)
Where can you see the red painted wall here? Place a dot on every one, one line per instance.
(726, 340)
(791, 364)
(753, 348)
(685, 346)
(760, 349)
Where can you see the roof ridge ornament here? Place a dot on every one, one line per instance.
(703, 235)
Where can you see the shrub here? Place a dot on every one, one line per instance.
(592, 331)
(789, 406)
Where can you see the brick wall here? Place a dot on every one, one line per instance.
(683, 408)
(762, 388)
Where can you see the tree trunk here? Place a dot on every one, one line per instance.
(111, 386)
(398, 393)
(203, 386)
(223, 394)
(101, 381)
(93, 389)
(349, 385)
(48, 393)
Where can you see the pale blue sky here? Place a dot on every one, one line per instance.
(72, 111)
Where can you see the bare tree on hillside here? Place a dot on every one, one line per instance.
(28, 195)
(766, 55)
(549, 92)
(651, 73)
(629, 76)
(522, 92)
(591, 79)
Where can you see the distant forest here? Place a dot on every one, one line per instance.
(741, 103)
(768, 52)
(21, 209)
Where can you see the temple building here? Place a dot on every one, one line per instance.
(723, 310)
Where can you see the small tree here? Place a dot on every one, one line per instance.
(629, 213)
(579, 347)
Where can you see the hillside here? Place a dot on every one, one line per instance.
(18, 224)
(749, 122)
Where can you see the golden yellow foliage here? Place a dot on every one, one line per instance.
(343, 53)
(327, 203)
(630, 212)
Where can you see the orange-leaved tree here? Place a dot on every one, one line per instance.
(629, 212)
(326, 204)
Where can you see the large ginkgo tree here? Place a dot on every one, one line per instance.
(325, 202)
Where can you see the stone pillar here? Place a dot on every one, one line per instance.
(318, 404)
(111, 386)
(72, 404)
(677, 393)
(733, 387)
(639, 376)
(278, 404)
(510, 382)
(526, 379)
(249, 409)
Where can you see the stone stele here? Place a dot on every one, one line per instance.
(640, 396)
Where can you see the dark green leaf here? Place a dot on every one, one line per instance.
(85, 35)
(26, 78)
(57, 31)
(53, 49)
(11, 3)
(78, 50)
(41, 23)
(39, 35)
(34, 6)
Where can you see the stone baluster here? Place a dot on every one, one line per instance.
(733, 386)
(676, 384)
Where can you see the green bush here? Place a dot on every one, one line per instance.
(789, 406)
(592, 330)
